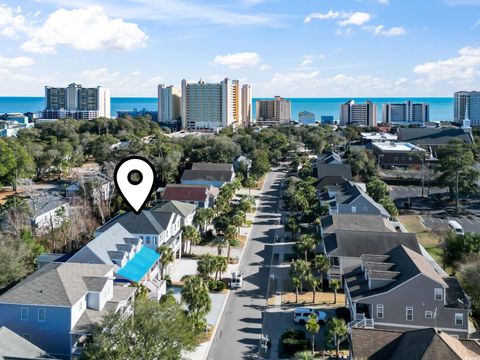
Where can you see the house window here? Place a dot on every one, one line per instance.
(147, 239)
(409, 313)
(41, 314)
(438, 294)
(380, 311)
(458, 319)
(354, 209)
(24, 314)
(428, 314)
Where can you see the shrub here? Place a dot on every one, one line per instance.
(216, 285)
(168, 280)
(293, 341)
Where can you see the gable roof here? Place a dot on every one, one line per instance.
(146, 222)
(330, 157)
(60, 284)
(375, 344)
(178, 207)
(182, 192)
(212, 166)
(98, 250)
(403, 265)
(353, 222)
(329, 180)
(343, 170)
(13, 346)
(433, 136)
(354, 243)
(208, 175)
(43, 205)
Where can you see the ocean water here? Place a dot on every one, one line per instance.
(441, 108)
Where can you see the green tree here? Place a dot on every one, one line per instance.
(337, 331)
(230, 235)
(13, 260)
(456, 169)
(292, 226)
(167, 256)
(335, 285)
(203, 217)
(389, 205)
(260, 163)
(160, 329)
(457, 247)
(305, 244)
(303, 355)
(195, 296)
(298, 272)
(250, 183)
(206, 266)
(221, 265)
(321, 264)
(469, 277)
(190, 236)
(377, 189)
(312, 328)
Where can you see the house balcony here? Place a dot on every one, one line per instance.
(157, 288)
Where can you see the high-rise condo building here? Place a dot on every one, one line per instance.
(247, 116)
(77, 102)
(169, 104)
(407, 113)
(275, 111)
(358, 114)
(467, 101)
(210, 106)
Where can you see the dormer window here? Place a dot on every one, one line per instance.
(438, 294)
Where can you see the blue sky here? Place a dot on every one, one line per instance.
(301, 48)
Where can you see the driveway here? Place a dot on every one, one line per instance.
(239, 331)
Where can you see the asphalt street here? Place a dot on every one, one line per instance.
(239, 331)
(471, 224)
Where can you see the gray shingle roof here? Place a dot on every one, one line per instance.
(207, 175)
(101, 249)
(353, 222)
(423, 344)
(343, 170)
(212, 166)
(354, 243)
(13, 346)
(42, 206)
(408, 264)
(178, 207)
(432, 136)
(60, 284)
(143, 223)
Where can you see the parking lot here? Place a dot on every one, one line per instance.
(469, 224)
(405, 192)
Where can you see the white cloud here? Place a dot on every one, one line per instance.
(383, 2)
(306, 61)
(345, 18)
(12, 22)
(15, 62)
(84, 29)
(380, 30)
(264, 67)
(101, 75)
(465, 66)
(357, 18)
(238, 60)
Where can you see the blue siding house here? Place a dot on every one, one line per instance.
(57, 307)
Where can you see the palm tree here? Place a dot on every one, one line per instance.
(335, 285)
(167, 256)
(206, 266)
(298, 272)
(230, 238)
(321, 264)
(247, 205)
(337, 330)
(191, 236)
(250, 183)
(312, 328)
(195, 296)
(292, 226)
(238, 219)
(220, 242)
(200, 219)
(305, 244)
(313, 281)
(221, 265)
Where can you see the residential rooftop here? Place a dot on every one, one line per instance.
(354, 222)
(397, 147)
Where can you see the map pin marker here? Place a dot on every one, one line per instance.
(134, 178)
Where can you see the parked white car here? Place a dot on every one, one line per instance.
(301, 315)
(237, 280)
(456, 227)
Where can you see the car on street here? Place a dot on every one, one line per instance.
(237, 280)
(302, 314)
(456, 227)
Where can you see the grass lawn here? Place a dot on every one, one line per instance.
(426, 237)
